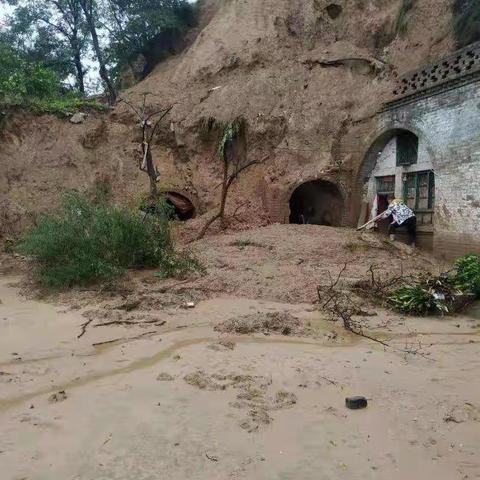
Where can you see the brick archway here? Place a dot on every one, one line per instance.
(375, 143)
(317, 202)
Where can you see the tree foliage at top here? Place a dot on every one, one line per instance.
(52, 32)
(145, 27)
(467, 21)
(63, 35)
(32, 85)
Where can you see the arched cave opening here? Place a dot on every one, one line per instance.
(182, 207)
(317, 202)
(334, 10)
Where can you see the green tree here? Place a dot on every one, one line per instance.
(21, 79)
(145, 27)
(53, 32)
(91, 12)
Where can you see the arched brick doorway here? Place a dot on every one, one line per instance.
(317, 202)
(398, 164)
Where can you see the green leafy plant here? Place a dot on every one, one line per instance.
(468, 274)
(446, 293)
(231, 131)
(157, 206)
(412, 299)
(436, 294)
(83, 242)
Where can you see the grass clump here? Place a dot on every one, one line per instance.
(85, 242)
(466, 17)
(60, 106)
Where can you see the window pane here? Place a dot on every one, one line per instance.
(431, 189)
(422, 204)
(407, 148)
(386, 185)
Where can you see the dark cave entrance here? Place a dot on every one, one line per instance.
(183, 208)
(317, 202)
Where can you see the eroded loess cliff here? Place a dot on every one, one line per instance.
(301, 72)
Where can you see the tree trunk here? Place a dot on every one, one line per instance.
(152, 174)
(77, 60)
(87, 8)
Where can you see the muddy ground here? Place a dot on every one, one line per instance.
(235, 373)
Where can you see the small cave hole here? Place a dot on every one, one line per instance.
(334, 10)
(182, 208)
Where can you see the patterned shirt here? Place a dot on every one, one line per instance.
(401, 213)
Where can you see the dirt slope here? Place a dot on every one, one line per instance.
(300, 72)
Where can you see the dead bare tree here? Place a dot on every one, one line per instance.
(340, 305)
(149, 123)
(233, 163)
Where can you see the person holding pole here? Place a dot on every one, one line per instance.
(402, 216)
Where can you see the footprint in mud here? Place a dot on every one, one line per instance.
(253, 395)
(58, 397)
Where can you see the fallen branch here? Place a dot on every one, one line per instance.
(339, 305)
(157, 322)
(84, 328)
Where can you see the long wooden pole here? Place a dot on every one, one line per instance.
(371, 221)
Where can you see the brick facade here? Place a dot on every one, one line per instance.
(446, 119)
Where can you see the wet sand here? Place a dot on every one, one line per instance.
(170, 402)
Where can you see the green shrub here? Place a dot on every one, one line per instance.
(84, 242)
(412, 299)
(157, 207)
(34, 87)
(468, 274)
(466, 17)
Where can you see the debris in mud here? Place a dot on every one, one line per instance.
(285, 399)
(203, 381)
(165, 377)
(356, 403)
(222, 345)
(462, 413)
(282, 323)
(58, 397)
(256, 417)
(129, 306)
(212, 458)
(253, 395)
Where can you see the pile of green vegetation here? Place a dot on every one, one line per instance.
(33, 86)
(445, 294)
(85, 242)
(466, 14)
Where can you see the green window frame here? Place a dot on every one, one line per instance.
(407, 149)
(419, 191)
(386, 185)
